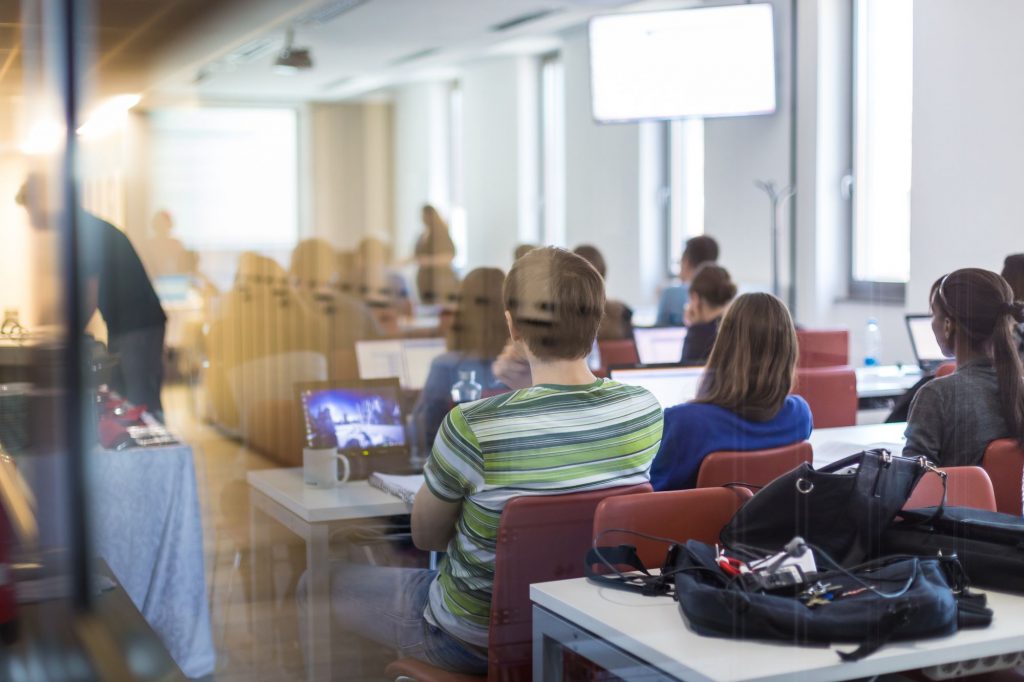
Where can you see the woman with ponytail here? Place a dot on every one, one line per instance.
(954, 418)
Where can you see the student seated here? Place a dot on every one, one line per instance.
(617, 323)
(1013, 273)
(954, 418)
(568, 432)
(711, 292)
(743, 402)
(672, 305)
(478, 335)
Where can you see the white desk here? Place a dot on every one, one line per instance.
(832, 444)
(309, 513)
(637, 637)
(886, 381)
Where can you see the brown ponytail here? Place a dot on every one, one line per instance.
(981, 303)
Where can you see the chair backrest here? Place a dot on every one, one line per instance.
(945, 370)
(831, 393)
(1004, 463)
(756, 467)
(680, 515)
(614, 353)
(965, 487)
(540, 538)
(823, 347)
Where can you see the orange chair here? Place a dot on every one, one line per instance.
(965, 487)
(679, 515)
(823, 347)
(945, 370)
(756, 467)
(540, 538)
(616, 353)
(1004, 463)
(831, 393)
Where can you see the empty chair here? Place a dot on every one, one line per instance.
(540, 538)
(618, 353)
(755, 468)
(945, 370)
(831, 393)
(1004, 463)
(965, 487)
(679, 515)
(823, 347)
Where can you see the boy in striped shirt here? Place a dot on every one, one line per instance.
(568, 432)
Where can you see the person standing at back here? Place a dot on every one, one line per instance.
(954, 418)
(115, 282)
(672, 305)
(569, 432)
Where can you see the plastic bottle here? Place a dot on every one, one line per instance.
(872, 343)
(466, 389)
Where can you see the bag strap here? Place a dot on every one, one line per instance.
(943, 476)
(625, 555)
(891, 621)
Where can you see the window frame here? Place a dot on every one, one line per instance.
(551, 223)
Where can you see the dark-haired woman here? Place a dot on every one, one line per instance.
(743, 402)
(711, 292)
(954, 418)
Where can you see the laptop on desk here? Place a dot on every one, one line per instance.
(408, 360)
(926, 349)
(670, 384)
(659, 345)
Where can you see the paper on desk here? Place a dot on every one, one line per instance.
(833, 451)
(402, 487)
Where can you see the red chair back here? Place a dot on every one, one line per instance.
(831, 393)
(945, 370)
(1004, 463)
(680, 515)
(965, 487)
(756, 467)
(823, 347)
(540, 538)
(615, 353)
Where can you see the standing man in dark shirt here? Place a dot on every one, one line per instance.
(115, 282)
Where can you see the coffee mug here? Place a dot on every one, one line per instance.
(320, 467)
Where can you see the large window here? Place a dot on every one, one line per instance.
(457, 219)
(228, 175)
(685, 184)
(552, 151)
(880, 182)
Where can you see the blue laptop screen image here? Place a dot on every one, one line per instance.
(353, 419)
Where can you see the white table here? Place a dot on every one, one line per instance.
(310, 513)
(831, 444)
(645, 638)
(886, 381)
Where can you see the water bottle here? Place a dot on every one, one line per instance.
(872, 343)
(594, 359)
(466, 390)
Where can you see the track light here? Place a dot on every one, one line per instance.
(290, 60)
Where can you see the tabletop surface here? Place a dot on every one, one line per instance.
(652, 629)
(352, 500)
(833, 444)
(886, 380)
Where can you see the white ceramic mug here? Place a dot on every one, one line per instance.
(320, 467)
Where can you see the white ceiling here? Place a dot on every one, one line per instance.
(355, 53)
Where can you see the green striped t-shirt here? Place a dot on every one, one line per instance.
(543, 440)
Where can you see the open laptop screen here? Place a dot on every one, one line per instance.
(926, 348)
(659, 345)
(670, 385)
(409, 360)
(357, 417)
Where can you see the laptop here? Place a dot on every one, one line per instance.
(926, 348)
(659, 345)
(670, 384)
(407, 359)
(364, 419)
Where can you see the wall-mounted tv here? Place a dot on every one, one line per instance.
(705, 62)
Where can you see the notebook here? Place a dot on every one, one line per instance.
(402, 487)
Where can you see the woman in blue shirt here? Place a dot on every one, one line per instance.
(743, 402)
(477, 336)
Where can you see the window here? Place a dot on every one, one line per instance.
(683, 192)
(883, 99)
(457, 217)
(552, 151)
(228, 175)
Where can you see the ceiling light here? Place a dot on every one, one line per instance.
(290, 60)
(109, 116)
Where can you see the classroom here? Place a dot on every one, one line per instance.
(510, 340)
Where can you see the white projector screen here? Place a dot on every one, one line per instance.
(715, 61)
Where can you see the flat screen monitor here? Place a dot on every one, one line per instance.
(659, 345)
(408, 360)
(670, 385)
(926, 349)
(359, 418)
(704, 62)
